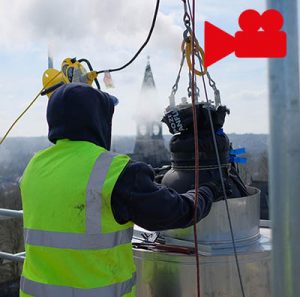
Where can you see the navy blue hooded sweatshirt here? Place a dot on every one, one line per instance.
(79, 112)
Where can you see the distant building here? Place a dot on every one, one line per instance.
(149, 144)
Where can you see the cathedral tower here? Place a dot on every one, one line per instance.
(149, 145)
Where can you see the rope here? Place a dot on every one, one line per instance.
(196, 146)
(203, 71)
(26, 109)
(224, 193)
(223, 186)
(20, 116)
(200, 168)
(141, 48)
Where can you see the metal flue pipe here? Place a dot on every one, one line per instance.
(284, 157)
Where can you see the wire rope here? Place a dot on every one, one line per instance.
(192, 13)
(220, 171)
(224, 190)
(196, 148)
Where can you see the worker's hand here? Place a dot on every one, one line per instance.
(160, 173)
(216, 188)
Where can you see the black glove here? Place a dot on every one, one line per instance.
(216, 188)
(160, 173)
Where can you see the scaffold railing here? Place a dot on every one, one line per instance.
(11, 213)
(19, 257)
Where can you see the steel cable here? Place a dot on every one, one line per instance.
(192, 13)
(224, 190)
(196, 147)
(220, 172)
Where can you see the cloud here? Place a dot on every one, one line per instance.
(108, 33)
(85, 24)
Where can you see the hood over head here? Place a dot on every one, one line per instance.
(77, 111)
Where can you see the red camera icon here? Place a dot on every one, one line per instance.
(260, 38)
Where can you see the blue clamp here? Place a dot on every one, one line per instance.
(234, 159)
(220, 131)
(238, 151)
(238, 160)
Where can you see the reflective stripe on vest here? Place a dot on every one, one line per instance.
(42, 290)
(94, 190)
(77, 241)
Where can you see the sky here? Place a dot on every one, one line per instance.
(108, 33)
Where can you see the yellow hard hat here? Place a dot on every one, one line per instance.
(51, 78)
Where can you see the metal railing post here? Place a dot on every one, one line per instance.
(19, 257)
(11, 213)
(284, 157)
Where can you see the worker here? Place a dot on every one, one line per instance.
(80, 203)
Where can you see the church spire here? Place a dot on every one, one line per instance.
(149, 144)
(148, 82)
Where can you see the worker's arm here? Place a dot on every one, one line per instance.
(137, 198)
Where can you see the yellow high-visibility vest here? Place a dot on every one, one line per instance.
(74, 246)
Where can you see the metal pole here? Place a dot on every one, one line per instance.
(11, 213)
(12, 257)
(284, 157)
